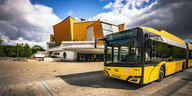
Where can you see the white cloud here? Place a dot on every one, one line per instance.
(139, 2)
(118, 4)
(20, 40)
(21, 20)
(108, 5)
(121, 13)
(70, 12)
(76, 18)
(170, 15)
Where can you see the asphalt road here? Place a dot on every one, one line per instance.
(84, 81)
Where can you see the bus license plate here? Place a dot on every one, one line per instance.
(116, 76)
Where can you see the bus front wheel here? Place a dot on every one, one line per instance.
(161, 73)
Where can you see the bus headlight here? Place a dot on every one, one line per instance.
(108, 69)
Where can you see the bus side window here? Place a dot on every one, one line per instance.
(158, 52)
(153, 51)
(150, 53)
(178, 53)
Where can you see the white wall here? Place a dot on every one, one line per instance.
(70, 55)
(39, 55)
(106, 32)
(115, 29)
(52, 59)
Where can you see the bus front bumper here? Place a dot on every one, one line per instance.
(128, 77)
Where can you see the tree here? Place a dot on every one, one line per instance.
(27, 50)
(7, 50)
(1, 41)
(1, 48)
(21, 50)
(12, 51)
(2, 54)
(36, 48)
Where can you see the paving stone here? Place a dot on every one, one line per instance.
(83, 79)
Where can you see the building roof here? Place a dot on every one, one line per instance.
(67, 18)
(78, 46)
(71, 42)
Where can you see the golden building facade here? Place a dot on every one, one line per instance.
(74, 30)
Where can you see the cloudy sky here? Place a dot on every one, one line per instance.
(31, 21)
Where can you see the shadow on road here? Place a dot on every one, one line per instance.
(96, 79)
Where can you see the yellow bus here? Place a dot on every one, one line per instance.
(141, 55)
(189, 55)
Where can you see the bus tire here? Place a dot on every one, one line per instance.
(161, 73)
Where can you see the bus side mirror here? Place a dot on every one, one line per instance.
(148, 41)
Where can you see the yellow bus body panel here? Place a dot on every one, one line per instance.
(151, 73)
(189, 62)
(147, 71)
(174, 66)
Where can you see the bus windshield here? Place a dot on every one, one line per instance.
(128, 53)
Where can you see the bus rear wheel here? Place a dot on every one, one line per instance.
(161, 73)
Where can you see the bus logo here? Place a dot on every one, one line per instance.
(116, 70)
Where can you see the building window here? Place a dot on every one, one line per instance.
(64, 55)
(106, 26)
(55, 53)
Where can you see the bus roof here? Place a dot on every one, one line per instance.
(165, 34)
